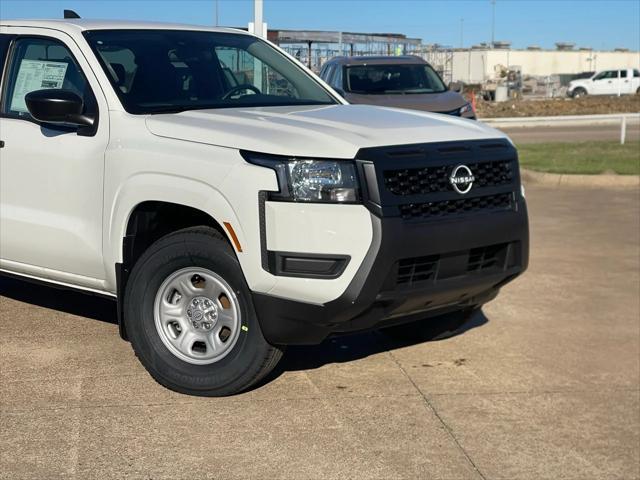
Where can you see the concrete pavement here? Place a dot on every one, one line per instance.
(544, 385)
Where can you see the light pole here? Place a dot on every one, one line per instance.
(217, 17)
(493, 22)
(461, 32)
(258, 26)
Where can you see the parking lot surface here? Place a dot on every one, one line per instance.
(582, 133)
(543, 385)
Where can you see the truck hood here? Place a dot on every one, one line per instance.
(333, 131)
(428, 102)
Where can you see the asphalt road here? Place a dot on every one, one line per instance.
(544, 385)
(572, 134)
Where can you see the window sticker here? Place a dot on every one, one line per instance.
(36, 75)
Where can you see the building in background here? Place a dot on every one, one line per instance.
(476, 65)
(481, 62)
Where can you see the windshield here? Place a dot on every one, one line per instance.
(158, 71)
(389, 79)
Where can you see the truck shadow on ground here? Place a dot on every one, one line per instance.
(69, 301)
(348, 348)
(340, 349)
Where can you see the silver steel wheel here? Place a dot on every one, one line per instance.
(197, 315)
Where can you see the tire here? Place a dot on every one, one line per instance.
(579, 92)
(435, 328)
(638, 91)
(190, 316)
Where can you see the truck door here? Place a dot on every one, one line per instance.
(635, 81)
(626, 79)
(51, 176)
(605, 83)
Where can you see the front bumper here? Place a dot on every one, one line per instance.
(432, 250)
(376, 297)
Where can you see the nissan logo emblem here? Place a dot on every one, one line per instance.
(461, 179)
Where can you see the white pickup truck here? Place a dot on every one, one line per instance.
(232, 203)
(608, 82)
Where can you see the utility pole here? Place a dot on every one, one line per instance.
(493, 22)
(462, 33)
(257, 19)
(217, 16)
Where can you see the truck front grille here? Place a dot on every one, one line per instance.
(501, 201)
(415, 182)
(424, 180)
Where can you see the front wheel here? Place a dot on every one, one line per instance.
(579, 93)
(190, 317)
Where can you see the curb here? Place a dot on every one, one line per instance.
(563, 179)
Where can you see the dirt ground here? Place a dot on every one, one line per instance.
(559, 106)
(543, 385)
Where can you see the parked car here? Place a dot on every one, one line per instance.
(607, 82)
(231, 203)
(402, 82)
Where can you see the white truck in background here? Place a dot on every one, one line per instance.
(607, 82)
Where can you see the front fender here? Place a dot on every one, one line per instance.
(154, 186)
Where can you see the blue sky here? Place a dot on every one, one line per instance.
(592, 23)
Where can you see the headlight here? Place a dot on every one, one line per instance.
(306, 180)
(465, 108)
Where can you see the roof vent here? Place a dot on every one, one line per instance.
(502, 45)
(620, 49)
(565, 46)
(70, 14)
(534, 47)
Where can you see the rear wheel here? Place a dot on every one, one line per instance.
(579, 92)
(190, 317)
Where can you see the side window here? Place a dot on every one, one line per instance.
(38, 64)
(636, 73)
(337, 78)
(607, 75)
(623, 74)
(328, 74)
(322, 70)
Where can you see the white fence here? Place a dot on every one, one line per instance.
(567, 120)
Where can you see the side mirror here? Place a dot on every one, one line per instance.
(456, 86)
(339, 91)
(57, 106)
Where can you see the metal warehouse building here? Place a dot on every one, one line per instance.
(479, 63)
